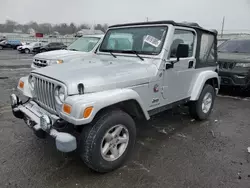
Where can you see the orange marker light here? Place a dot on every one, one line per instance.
(21, 84)
(87, 111)
(67, 108)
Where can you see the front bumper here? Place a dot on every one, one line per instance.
(21, 50)
(230, 78)
(42, 123)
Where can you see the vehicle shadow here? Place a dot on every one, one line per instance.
(235, 91)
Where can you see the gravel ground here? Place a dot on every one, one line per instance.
(172, 150)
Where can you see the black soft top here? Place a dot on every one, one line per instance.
(184, 24)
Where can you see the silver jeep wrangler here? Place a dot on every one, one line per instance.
(92, 105)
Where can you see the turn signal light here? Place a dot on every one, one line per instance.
(21, 84)
(67, 108)
(87, 111)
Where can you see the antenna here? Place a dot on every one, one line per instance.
(222, 28)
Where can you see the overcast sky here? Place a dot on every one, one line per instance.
(208, 13)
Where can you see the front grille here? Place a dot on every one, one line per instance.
(44, 92)
(40, 63)
(226, 65)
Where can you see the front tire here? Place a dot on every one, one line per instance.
(108, 143)
(201, 109)
(27, 51)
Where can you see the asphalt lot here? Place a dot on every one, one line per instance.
(172, 150)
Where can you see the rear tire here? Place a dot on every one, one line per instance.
(201, 109)
(108, 143)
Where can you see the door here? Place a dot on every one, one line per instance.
(52, 46)
(178, 79)
(58, 46)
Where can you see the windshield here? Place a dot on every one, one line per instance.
(142, 40)
(32, 44)
(84, 44)
(235, 46)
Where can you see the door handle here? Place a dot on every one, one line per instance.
(190, 64)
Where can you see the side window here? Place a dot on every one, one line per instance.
(207, 49)
(182, 37)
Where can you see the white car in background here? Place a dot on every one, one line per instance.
(23, 43)
(29, 47)
(82, 46)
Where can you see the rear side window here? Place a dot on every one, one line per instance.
(207, 49)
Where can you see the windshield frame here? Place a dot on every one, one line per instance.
(129, 52)
(92, 37)
(236, 46)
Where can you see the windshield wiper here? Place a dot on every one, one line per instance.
(73, 49)
(112, 54)
(134, 52)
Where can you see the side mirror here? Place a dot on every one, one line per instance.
(182, 51)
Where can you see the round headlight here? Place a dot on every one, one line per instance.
(32, 82)
(60, 94)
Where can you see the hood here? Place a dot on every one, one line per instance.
(26, 46)
(58, 54)
(235, 57)
(99, 74)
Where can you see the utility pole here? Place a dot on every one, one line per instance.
(222, 28)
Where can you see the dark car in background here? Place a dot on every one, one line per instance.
(49, 47)
(234, 63)
(13, 44)
(220, 41)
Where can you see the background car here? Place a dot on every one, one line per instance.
(13, 44)
(234, 63)
(82, 46)
(221, 41)
(23, 43)
(49, 47)
(28, 48)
